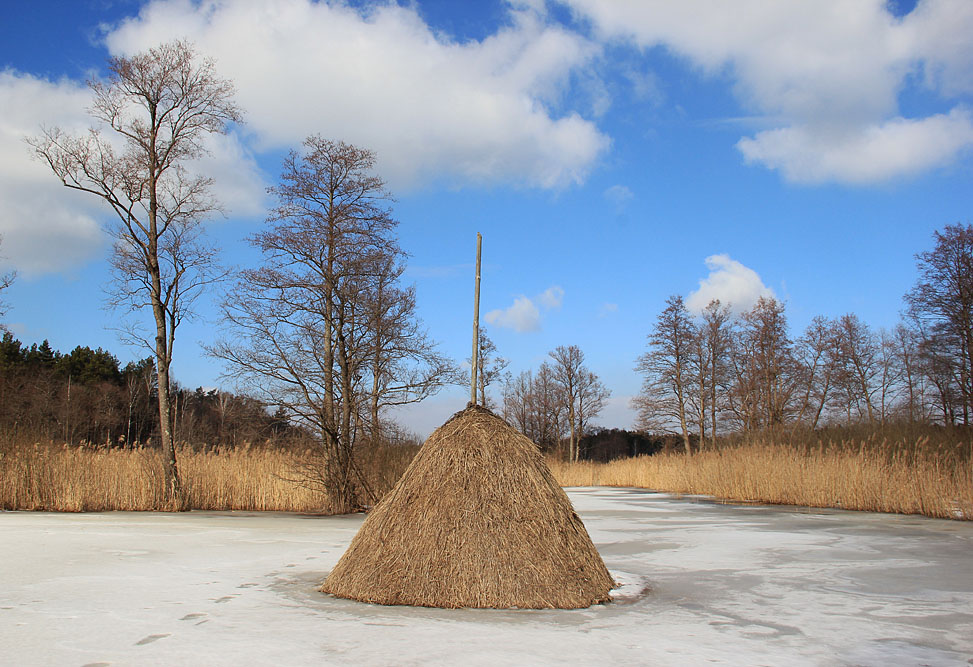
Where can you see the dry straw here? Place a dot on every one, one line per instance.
(477, 520)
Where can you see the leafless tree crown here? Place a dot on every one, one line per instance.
(155, 110)
(323, 328)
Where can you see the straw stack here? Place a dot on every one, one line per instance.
(477, 520)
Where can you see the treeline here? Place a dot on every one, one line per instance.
(85, 397)
(714, 373)
(554, 405)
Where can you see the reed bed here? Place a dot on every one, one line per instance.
(916, 478)
(855, 476)
(92, 479)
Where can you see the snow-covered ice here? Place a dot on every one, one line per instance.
(702, 583)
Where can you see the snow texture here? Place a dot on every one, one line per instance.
(701, 583)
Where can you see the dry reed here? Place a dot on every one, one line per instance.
(477, 520)
(916, 478)
(86, 479)
(846, 475)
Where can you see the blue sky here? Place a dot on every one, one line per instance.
(611, 153)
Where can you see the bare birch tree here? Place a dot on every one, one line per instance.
(568, 368)
(156, 109)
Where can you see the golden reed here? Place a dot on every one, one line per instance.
(848, 477)
(84, 479)
(856, 476)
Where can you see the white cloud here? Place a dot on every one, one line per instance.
(941, 36)
(49, 228)
(731, 283)
(552, 297)
(431, 108)
(825, 74)
(524, 315)
(237, 182)
(899, 147)
(45, 227)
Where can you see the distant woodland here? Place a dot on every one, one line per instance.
(85, 397)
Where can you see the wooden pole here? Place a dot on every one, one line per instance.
(475, 357)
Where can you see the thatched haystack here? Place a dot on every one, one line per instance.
(477, 520)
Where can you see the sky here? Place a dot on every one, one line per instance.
(611, 153)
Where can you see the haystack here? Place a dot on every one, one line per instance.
(477, 520)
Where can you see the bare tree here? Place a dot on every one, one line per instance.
(6, 280)
(490, 368)
(716, 331)
(322, 329)
(405, 366)
(157, 107)
(891, 374)
(817, 354)
(568, 367)
(592, 394)
(518, 403)
(534, 402)
(666, 371)
(942, 302)
(579, 391)
(548, 408)
(764, 368)
(708, 367)
(697, 394)
(908, 342)
(860, 369)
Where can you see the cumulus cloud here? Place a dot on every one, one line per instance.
(49, 228)
(238, 184)
(45, 227)
(524, 315)
(433, 109)
(731, 283)
(899, 147)
(552, 297)
(826, 75)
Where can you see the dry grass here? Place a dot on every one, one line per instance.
(917, 478)
(859, 476)
(85, 479)
(477, 520)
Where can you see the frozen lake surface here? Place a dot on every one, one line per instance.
(703, 583)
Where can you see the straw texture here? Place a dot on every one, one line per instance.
(477, 520)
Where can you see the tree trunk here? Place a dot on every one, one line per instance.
(170, 470)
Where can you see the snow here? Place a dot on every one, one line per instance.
(701, 583)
